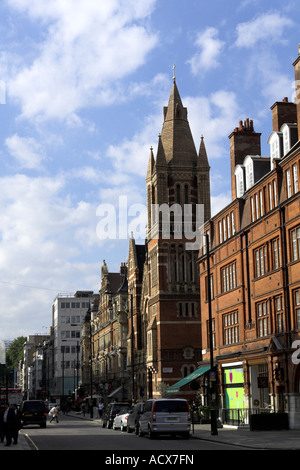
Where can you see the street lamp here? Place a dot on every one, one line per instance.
(212, 373)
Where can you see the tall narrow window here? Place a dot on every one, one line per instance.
(228, 226)
(295, 236)
(224, 229)
(261, 261)
(276, 254)
(297, 307)
(263, 319)
(220, 232)
(261, 203)
(295, 178)
(270, 197)
(186, 194)
(288, 183)
(256, 206)
(275, 192)
(178, 194)
(279, 314)
(232, 223)
(252, 209)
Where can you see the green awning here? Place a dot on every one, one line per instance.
(189, 378)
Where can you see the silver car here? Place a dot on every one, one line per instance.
(165, 416)
(120, 421)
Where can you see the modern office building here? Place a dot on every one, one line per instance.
(63, 351)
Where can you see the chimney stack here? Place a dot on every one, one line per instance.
(296, 65)
(283, 112)
(243, 141)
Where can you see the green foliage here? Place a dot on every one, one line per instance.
(15, 352)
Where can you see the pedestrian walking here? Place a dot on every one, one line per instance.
(53, 413)
(100, 409)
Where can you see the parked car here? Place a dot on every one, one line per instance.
(110, 413)
(33, 412)
(120, 421)
(165, 416)
(134, 417)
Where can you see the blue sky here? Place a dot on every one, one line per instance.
(82, 89)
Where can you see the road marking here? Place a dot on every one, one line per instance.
(31, 441)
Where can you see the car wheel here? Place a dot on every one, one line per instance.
(151, 434)
(122, 427)
(128, 429)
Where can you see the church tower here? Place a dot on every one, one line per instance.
(177, 181)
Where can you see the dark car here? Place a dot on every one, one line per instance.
(33, 412)
(110, 413)
(134, 417)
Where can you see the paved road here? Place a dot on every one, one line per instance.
(76, 434)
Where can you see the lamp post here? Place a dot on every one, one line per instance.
(63, 375)
(132, 348)
(91, 362)
(212, 373)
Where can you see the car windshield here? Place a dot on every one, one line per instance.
(170, 406)
(33, 406)
(117, 409)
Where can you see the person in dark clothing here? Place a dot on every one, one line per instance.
(2, 435)
(17, 425)
(10, 421)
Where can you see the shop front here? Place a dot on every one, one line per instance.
(234, 409)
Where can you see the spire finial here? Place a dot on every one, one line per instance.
(174, 78)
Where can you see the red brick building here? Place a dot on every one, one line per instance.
(254, 255)
(167, 321)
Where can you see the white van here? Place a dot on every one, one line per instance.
(165, 416)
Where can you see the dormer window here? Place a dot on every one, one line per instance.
(276, 146)
(290, 136)
(249, 173)
(239, 178)
(286, 138)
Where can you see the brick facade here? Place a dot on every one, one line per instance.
(255, 276)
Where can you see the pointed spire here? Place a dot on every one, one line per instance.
(151, 164)
(202, 160)
(160, 157)
(176, 136)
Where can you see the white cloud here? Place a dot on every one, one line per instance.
(26, 151)
(132, 155)
(210, 49)
(88, 47)
(267, 27)
(46, 243)
(214, 117)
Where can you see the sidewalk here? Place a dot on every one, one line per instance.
(242, 437)
(23, 443)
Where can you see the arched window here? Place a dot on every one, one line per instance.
(178, 199)
(186, 194)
